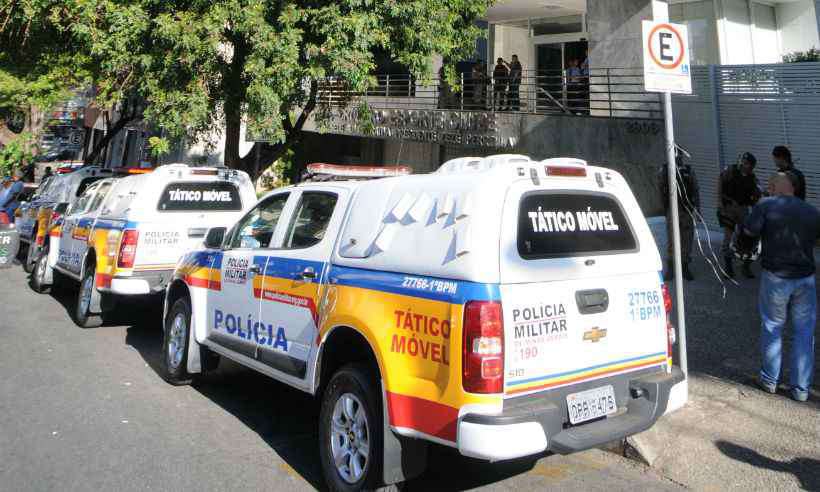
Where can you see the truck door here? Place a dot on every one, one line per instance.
(292, 284)
(234, 320)
(74, 233)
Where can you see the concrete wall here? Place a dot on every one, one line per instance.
(798, 25)
(634, 148)
(422, 157)
(615, 32)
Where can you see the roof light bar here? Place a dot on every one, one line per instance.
(358, 171)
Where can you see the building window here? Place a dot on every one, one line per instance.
(699, 17)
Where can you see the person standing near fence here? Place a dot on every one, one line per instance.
(738, 191)
(513, 94)
(782, 157)
(500, 78)
(789, 228)
(689, 206)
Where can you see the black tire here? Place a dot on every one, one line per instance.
(38, 274)
(31, 255)
(175, 343)
(83, 316)
(358, 381)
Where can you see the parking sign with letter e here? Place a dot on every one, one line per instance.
(666, 58)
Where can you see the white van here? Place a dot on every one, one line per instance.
(126, 236)
(500, 306)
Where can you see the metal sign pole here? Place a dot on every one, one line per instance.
(673, 215)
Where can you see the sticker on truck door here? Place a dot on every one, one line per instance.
(535, 328)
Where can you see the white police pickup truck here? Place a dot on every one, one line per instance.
(500, 306)
(125, 235)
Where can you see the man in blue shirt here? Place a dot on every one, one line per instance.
(788, 228)
(8, 201)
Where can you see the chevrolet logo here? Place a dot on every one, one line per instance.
(594, 335)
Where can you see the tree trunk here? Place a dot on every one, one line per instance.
(110, 133)
(266, 154)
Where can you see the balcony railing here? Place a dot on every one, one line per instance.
(608, 92)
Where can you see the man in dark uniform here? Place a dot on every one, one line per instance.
(688, 208)
(782, 157)
(500, 79)
(738, 191)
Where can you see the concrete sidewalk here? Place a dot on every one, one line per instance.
(731, 435)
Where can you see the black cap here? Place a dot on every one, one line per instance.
(749, 157)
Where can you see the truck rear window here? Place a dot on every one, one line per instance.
(555, 225)
(195, 197)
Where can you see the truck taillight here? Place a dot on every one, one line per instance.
(128, 248)
(483, 348)
(670, 328)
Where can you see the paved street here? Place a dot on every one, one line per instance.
(86, 410)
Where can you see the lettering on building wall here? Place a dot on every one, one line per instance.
(458, 128)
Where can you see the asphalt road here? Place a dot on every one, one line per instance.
(84, 409)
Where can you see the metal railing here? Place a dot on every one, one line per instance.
(607, 92)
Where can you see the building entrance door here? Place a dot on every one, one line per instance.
(554, 75)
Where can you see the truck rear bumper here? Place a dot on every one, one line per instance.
(141, 283)
(541, 424)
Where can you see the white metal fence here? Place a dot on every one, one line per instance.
(750, 108)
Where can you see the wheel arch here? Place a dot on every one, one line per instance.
(342, 345)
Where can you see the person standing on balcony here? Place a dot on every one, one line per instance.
(574, 75)
(782, 157)
(788, 228)
(479, 80)
(738, 191)
(501, 76)
(514, 96)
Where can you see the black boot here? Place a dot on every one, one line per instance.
(729, 267)
(687, 274)
(747, 269)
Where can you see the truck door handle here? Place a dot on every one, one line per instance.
(307, 273)
(592, 301)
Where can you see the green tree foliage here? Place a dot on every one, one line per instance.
(812, 55)
(205, 65)
(16, 153)
(38, 66)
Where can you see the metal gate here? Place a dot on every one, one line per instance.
(750, 108)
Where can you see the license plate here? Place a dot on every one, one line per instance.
(591, 404)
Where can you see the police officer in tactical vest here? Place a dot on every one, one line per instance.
(738, 191)
(688, 209)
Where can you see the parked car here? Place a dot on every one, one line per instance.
(53, 198)
(123, 237)
(500, 306)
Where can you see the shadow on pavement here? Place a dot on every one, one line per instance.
(806, 470)
(287, 420)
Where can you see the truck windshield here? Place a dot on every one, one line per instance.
(566, 224)
(200, 196)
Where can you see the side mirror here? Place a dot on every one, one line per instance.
(215, 237)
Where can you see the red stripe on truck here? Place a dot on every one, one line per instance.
(422, 415)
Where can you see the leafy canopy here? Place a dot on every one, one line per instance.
(202, 62)
(207, 65)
